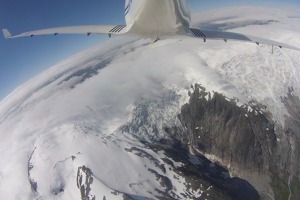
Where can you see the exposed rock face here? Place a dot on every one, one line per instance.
(201, 173)
(246, 140)
(292, 103)
(84, 182)
(31, 180)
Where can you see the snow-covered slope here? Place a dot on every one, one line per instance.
(262, 76)
(79, 128)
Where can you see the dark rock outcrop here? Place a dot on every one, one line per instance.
(84, 182)
(213, 179)
(292, 104)
(246, 140)
(219, 127)
(33, 183)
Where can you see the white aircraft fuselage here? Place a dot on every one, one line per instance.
(156, 18)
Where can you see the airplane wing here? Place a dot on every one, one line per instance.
(96, 29)
(222, 35)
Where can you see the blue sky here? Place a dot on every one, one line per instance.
(22, 58)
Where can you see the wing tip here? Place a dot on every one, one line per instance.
(6, 33)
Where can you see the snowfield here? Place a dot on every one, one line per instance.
(83, 123)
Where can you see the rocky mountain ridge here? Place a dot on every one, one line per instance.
(245, 140)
